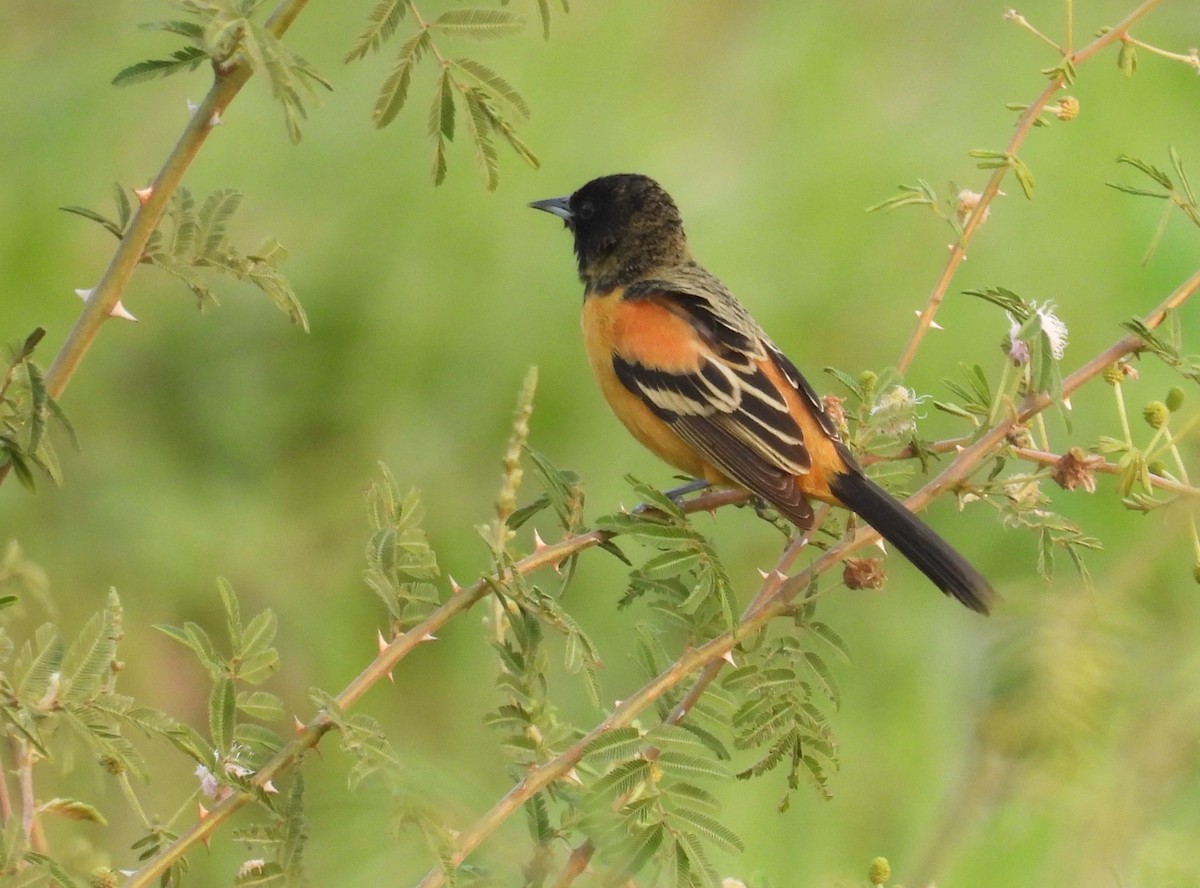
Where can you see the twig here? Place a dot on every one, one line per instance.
(31, 823)
(310, 735)
(228, 81)
(1046, 458)
(1025, 123)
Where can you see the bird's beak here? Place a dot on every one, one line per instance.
(557, 206)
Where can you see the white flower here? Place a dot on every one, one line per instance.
(208, 782)
(1047, 323)
(1054, 328)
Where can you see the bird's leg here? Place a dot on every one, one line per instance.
(676, 494)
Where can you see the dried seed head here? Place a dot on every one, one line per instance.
(864, 573)
(1076, 469)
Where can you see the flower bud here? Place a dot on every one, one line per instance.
(1068, 108)
(880, 871)
(1155, 413)
(1174, 399)
(103, 877)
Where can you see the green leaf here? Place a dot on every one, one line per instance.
(259, 634)
(644, 846)
(222, 714)
(262, 705)
(494, 85)
(73, 809)
(680, 764)
(188, 58)
(394, 92)
(381, 24)
(706, 827)
(213, 221)
(644, 528)
(478, 24)
(622, 778)
(112, 227)
(921, 194)
(848, 381)
(825, 677)
(831, 637)
(38, 669)
(88, 664)
(257, 667)
(615, 744)
(480, 123)
(1147, 169)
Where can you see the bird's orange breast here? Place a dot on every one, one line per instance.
(646, 332)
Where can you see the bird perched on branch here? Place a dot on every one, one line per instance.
(696, 380)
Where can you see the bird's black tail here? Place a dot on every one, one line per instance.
(917, 542)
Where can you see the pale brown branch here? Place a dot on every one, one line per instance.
(1045, 458)
(1025, 124)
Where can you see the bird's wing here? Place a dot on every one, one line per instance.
(723, 387)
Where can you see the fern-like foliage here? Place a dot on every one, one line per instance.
(240, 742)
(26, 411)
(783, 688)
(195, 240)
(494, 107)
(684, 582)
(401, 564)
(647, 809)
(55, 695)
(225, 33)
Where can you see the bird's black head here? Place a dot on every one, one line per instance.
(625, 227)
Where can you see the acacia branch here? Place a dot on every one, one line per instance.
(1025, 123)
(709, 655)
(227, 83)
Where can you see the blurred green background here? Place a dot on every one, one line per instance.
(229, 443)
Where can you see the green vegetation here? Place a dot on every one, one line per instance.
(194, 651)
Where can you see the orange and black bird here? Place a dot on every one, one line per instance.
(696, 380)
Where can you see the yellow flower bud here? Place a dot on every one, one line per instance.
(1068, 108)
(1155, 413)
(880, 871)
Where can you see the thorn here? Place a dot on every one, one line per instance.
(454, 587)
(269, 786)
(118, 310)
(428, 636)
(381, 641)
(193, 108)
(201, 812)
(538, 542)
(879, 543)
(573, 777)
(143, 194)
(934, 324)
(297, 725)
(762, 573)
(728, 658)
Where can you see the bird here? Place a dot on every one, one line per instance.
(697, 381)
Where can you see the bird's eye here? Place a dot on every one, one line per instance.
(586, 210)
